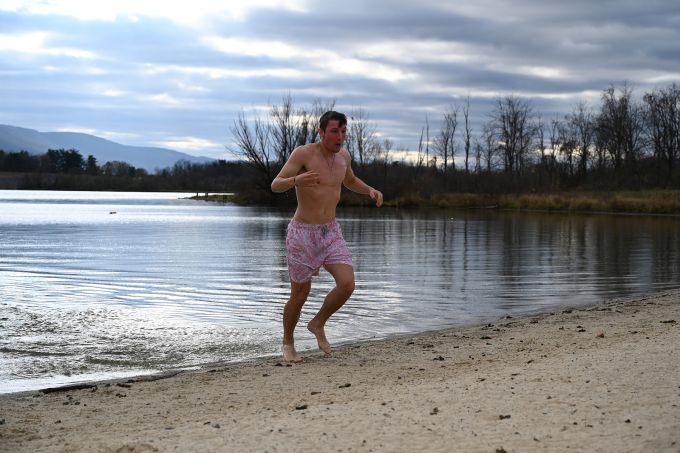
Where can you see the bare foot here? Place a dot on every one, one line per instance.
(320, 335)
(290, 354)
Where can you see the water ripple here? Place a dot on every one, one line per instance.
(168, 284)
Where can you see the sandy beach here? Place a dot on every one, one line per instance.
(602, 378)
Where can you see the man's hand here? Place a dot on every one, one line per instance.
(377, 196)
(306, 179)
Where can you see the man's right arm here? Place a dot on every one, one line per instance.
(290, 175)
(286, 179)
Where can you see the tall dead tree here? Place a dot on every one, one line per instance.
(514, 129)
(568, 145)
(487, 148)
(663, 126)
(620, 127)
(555, 144)
(361, 137)
(540, 142)
(253, 144)
(467, 133)
(582, 125)
(445, 141)
(285, 128)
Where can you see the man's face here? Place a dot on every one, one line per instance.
(334, 136)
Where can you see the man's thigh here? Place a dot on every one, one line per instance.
(342, 273)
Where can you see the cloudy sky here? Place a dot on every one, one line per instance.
(176, 74)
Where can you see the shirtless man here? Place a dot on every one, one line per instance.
(314, 239)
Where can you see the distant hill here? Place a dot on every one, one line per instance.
(14, 139)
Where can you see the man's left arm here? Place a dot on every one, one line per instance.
(355, 184)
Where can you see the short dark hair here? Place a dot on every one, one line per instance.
(330, 116)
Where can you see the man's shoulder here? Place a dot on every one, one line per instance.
(305, 149)
(304, 152)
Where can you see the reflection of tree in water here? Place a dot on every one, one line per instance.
(512, 260)
(583, 258)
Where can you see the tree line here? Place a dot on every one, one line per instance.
(624, 143)
(67, 169)
(66, 161)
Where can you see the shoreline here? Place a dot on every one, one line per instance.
(664, 202)
(207, 367)
(602, 377)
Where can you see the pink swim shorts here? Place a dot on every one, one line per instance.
(310, 246)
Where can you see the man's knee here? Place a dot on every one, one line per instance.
(299, 292)
(346, 286)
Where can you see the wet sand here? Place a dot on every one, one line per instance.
(602, 378)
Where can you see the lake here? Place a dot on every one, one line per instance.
(97, 285)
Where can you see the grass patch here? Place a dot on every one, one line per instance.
(643, 202)
(222, 198)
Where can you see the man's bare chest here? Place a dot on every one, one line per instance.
(331, 171)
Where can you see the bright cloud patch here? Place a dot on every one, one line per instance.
(163, 98)
(253, 48)
(37, 43)
(181, 12)
(419, 51)
(224, 73)
(190, 144)
(324, 59)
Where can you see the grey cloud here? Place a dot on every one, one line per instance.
(595, 43)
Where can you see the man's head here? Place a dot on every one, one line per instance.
(332, 115)
(332, 130)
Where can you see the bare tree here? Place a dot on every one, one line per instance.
(361, 137)
(540, 137)
(512, 124)
(600, 149)
(568, 145)
(253, 145)
(620, 126)
(582, 125)
(445, 141)
(488, 147)
(467, 132)
(663, 124)
(555, 144)
(383, 150)
(427, 141)
(383, 154)
(286, 128)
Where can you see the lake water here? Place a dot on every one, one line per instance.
(100, 285)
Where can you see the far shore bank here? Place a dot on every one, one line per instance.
(598, 378)
(662, 202)
(654, 202)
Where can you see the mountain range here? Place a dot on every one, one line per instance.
(14, 139)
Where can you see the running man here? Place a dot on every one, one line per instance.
(314, 239)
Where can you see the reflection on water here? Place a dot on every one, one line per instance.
(99, 285)
(468, 264)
